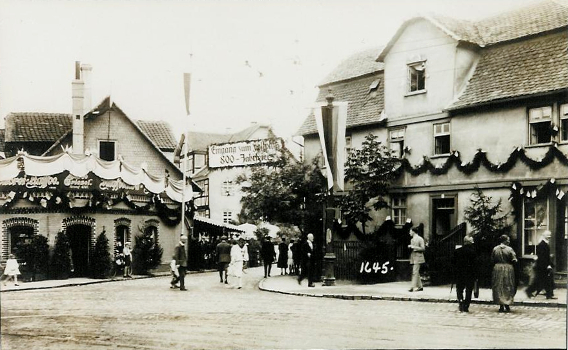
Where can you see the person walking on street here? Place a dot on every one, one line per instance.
(283, 256)
(503, 277)
(180, 256)
(223, 253)
(11, 271)
(417, 248)
(236, 265)
(291, 258)
(175, 274)
(268, 255)
(543, 269)
(127, 260)
(245, 250)
(465, 272)
(308, 261)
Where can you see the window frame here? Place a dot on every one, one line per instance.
(114, 142)
(402, 206)
(563, 118)
(442, 134)
(227, 216)
(397, 140)
(537, 231)
(541, 120)
(228, 188)
(411, 70)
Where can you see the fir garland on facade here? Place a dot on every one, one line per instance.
(480, 158)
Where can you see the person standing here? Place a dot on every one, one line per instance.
(223, 253)
(127, 261)
(543, 269)
(283, 257)
(268, 255)
(11, 271)
(308, 261)
(180, 256)
(237, 262)
(503, 277)
(465, 272)
(244, 248)
(291, 258)
(417, 248)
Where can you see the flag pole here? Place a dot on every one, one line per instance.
(185, 148)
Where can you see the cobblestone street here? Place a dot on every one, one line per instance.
(146, 314)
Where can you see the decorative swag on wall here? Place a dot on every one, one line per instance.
(79, 182)
(480, 158)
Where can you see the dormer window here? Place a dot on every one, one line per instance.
(417, 76)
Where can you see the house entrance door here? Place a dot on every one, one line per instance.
(80, 243)
(562, 238)
(443, 215)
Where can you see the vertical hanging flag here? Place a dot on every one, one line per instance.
(186, 87)
(331, 124)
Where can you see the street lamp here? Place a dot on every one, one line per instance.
(332, 137)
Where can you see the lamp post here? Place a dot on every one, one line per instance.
(329, 208)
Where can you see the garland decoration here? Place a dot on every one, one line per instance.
(480, 158)
(520, 192)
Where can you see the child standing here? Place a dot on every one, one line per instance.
(12, 270)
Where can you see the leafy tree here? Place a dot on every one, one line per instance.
(35, 254)
(287, 192)
(370, 171)
(147, 253)
(487, 223)
(101, 261)
(61, 259)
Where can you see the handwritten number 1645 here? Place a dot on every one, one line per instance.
(376, 267)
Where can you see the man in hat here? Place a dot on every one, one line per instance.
(417, 249)
(180, 257)
(543, 269)
(223, 252)
(268, 255)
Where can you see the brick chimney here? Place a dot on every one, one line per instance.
(81, 95)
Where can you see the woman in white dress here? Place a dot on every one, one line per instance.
(236, 266)
(12, 270)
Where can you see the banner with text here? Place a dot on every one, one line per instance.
(245, 153)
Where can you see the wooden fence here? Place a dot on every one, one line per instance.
(347, 253)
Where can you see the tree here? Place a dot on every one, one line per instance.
(61, 259)
(147, 253)
(487, 223)
(101, 261)
(370, 171)
(285, 192)
(35, 254)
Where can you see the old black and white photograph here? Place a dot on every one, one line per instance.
(283, 174)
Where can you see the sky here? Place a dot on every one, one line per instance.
(250, 61)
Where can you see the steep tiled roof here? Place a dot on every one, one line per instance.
(36, 127)
(535, 18)
(518, 69)
(359, 64)
(364, 106)
(199, 141)
(160, 132)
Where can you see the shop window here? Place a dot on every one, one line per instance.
(564, 122)
(227, 217)
(396, 142)
(228, 188)
(442, 138)
(417, 77)
(153, 232)
(399, 210)
(540, 122)
(122, 236)
(535, 222)
(107, 150)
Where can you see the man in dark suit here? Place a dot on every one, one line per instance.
(268, 255)
(307, 261)
(465, 272)
(180, 256)
(223, 252)
(543, 269)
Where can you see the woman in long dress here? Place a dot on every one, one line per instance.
(503, 277)
(283, 257)
(236, 265)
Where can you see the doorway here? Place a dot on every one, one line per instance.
(80, 244)
(562, 238)
(443, 215)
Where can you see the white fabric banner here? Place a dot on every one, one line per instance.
(9, 168)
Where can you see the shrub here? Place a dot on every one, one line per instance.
(146, 254)
(60, 266)
(35, 254)
(101, 261)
